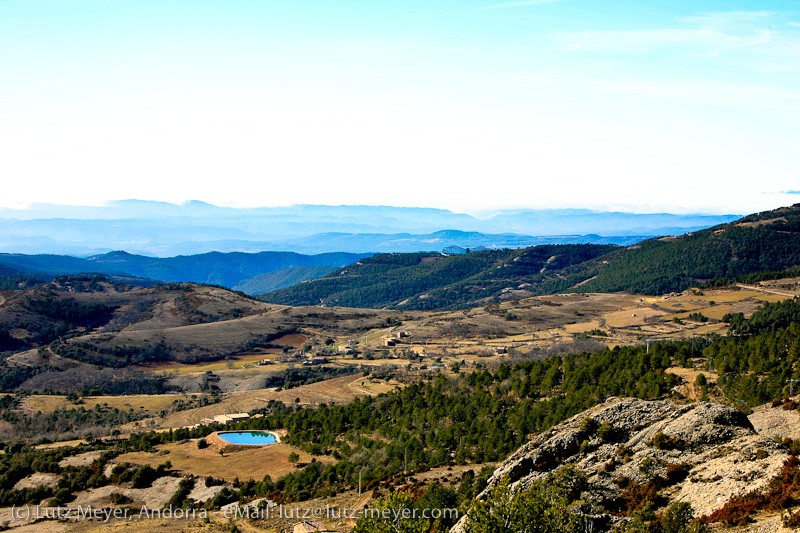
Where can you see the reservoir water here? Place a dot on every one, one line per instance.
(249, 437)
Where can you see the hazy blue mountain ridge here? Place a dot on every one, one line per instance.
(213, 268)
(163, 229)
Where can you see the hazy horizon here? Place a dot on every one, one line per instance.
(481, 214)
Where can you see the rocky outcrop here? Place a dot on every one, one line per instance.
(714, 448)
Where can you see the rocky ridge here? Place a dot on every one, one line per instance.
(715, 450)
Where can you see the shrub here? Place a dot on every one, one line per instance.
(143, 477)
(677, 472)
(588, 426)
(665, 442)
(584, 446)
(181, 496)
(678, 519)
(118, 499)
(570, 479)
(211, 482)
(606, 432)
(624, 453)
(648, 467)
(61, 498)
(635, 495)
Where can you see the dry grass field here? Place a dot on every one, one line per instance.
(247, 359)
(227, 335)
(187, 458)
(340, 390)
(635, 316)
(717, 311)
(141, 402)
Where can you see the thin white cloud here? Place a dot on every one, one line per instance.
(760, 41)
(506, 5)
(717, 19)
(647, 41)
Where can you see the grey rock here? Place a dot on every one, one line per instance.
(715, 443)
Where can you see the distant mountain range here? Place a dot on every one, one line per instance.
(435, 280)
(164, 230)
(229, 270)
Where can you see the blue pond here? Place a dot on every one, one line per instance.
(248, 437)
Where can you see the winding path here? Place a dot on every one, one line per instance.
(768, 291)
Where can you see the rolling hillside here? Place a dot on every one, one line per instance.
(429, 281)
(280, 279)
(761, 242)
(34, 316)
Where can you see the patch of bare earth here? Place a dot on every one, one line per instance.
(154, 497)
(689, 387)
(37, 479)
(774, 421)
(83, 459)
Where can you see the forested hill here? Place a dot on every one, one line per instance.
(429, 281)
(761, 242)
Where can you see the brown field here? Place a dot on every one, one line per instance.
(295, 340)
(711, 328)
(769, 298)
(141, 402)
(248, 359)
(717, 311)
(254, 464)
(626, 318)
(237, 361)
(680, 305)
(582, 327)
(227, 335)
(60, 444)
(726, 296)
(338, 390)
(559, 320)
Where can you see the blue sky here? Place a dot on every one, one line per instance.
(470, 105)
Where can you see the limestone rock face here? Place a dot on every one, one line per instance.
(717, 445)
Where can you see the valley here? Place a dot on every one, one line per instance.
(114, 392)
